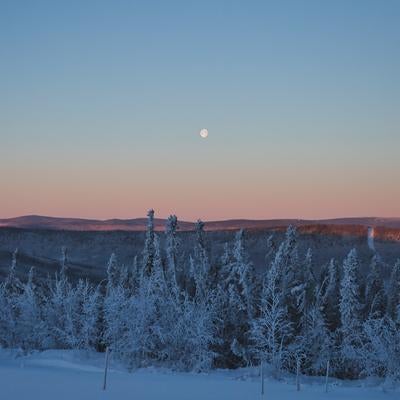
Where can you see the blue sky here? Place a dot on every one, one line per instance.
(101, 103)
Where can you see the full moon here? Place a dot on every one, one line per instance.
(204, 133)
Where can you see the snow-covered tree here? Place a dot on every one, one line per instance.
(116, 314)
(286, 261)
(270, 249)
(10, 291)
(148, 252)
(302, 294)
(315, 342)
(200, 264)
(30, 326)
(136, 345)
(380, 355)
(85, 333)
(8, 318)
(55, 313)
(146, 317)
(309, 281)
(330, 296)
(235, 299)
(172, 254)
(393, 291)
(198, 328)
(225, 262)
(207, 309)
(350, 310)
(132, 278)
(112, 272)
(243, 268)
(288, 270)
(271, 331)
(63, 260)
(375, 296)
(12, 283)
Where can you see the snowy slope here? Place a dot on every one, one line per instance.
(66, 375)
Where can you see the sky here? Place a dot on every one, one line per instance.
(101, 104)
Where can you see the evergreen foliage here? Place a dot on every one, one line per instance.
(185, 312)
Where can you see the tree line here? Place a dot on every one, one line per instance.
(187, 313)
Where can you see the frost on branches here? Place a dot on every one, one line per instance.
(197, 310)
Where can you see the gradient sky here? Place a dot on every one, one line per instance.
(101, 103)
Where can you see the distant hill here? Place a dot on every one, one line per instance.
(139, 224)
(90, 242)
(386, 229)
(80, 224)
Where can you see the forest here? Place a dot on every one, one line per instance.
(187, 313)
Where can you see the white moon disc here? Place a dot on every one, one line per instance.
(204, 133)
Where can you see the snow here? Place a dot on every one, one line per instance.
(73, 375)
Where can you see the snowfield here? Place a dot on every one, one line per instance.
(71, 375)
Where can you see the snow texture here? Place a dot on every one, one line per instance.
(66, 375)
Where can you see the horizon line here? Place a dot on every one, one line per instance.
(203, 220)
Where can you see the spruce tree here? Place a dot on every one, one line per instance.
(30, 325)
(288, 275)
(375, 296)
(331, 296)
(315, 343)
(10, 290)
(393, 291)
(200, 264)
(172, 255)
(112, 272)
(271, 330)
(148, 252)
(350, 312)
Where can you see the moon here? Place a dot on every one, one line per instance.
(204, 133)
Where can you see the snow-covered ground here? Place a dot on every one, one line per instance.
(69, 375)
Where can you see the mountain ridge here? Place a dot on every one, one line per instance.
(139, 224)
